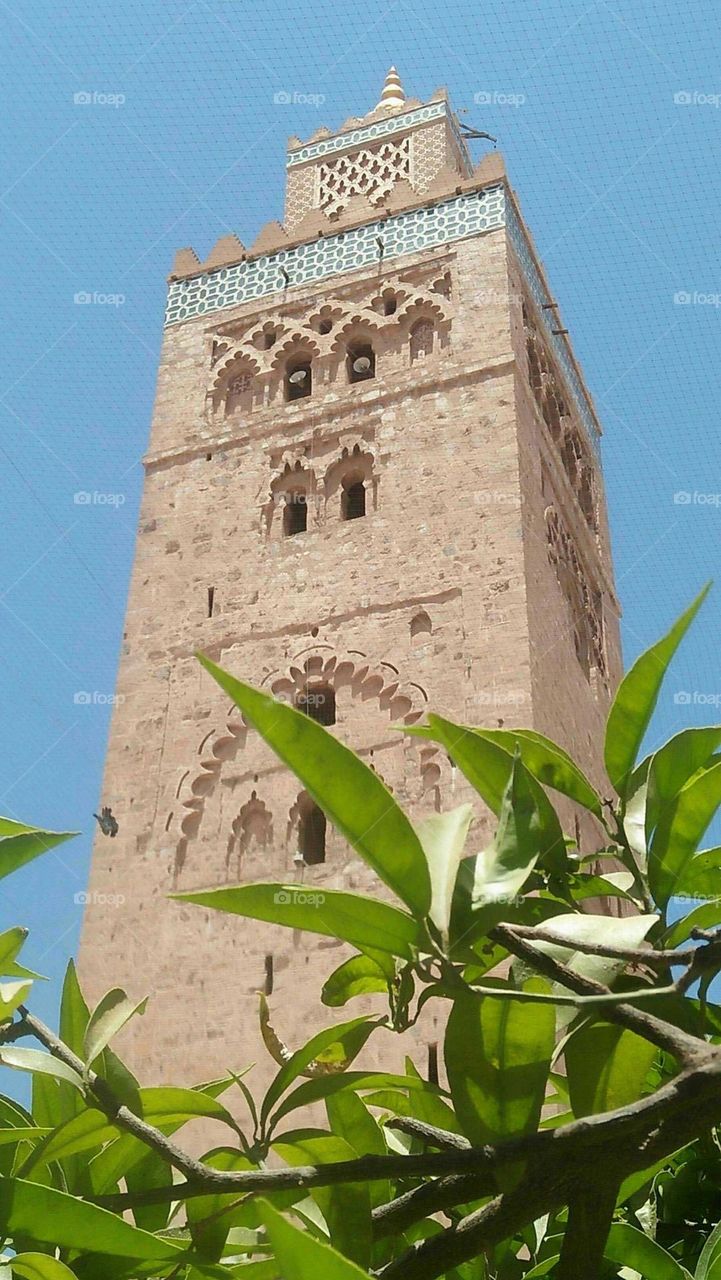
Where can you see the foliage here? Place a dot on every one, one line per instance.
(575, 1132)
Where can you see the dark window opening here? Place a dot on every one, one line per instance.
(353, 501)
(390, 305)
(361, 362)
(433, 1063)
(295, 513)
(298, 380)
(211, 600)
(269, 338)
(208, 457)
(311, 835)
(269, 975)
(318, 702)
(422, 339)
(325, 326)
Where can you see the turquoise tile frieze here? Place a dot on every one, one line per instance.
(556, 342)
(367, 133)
(412, 232)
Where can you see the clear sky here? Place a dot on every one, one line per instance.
(182, 142)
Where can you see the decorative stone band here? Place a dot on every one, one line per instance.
(465, 215)
(368, 133)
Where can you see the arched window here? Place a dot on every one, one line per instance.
(311, 833)
(353, 498)
(422, 338)
(298, 379)
(361, 362)
(317, 700)
(420, 627)
(295, 512)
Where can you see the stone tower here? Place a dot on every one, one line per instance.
(373, 487)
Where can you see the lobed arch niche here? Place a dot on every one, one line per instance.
(234, 801)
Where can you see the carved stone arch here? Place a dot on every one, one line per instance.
(365, 324)
(356, 463)
(235, 383)
(196, 789)
(251, 829)
(297, 345)
(424, 307)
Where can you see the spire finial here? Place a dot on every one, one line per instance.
(393, 95)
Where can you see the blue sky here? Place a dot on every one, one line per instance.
(183, 143)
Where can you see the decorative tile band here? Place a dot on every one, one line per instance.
(412, 232)
(367, 133)
(427, 228)
(555, 341)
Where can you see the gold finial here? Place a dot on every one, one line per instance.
(393, 95)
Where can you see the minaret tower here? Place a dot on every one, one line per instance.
(373, 487)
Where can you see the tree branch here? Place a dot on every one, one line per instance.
(590, 1213)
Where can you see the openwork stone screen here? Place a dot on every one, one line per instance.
(371, 172)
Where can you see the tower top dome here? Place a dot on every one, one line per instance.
(393, 95)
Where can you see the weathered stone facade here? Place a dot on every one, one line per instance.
(476, 581)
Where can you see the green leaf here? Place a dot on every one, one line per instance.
(443, 837)
(498, 1055)
(301, 1257)
(34, 1060)
(344, 1041)
(40, 1266)
(359, 976)
(365, 922)
(607, 1067)
(502, 870)
(351, 1120)
(681, 827)
(707, 916)
(549, 764)
(113, 1012)
(20, 844)
(636, 699)
(701, 877)
(675, 763)
(348, 791)
(54, 1218)
(346, 1207)
(164, 1108)
(317, 1090)
(708, 1266)
(12, 994)
(208, 1225)
(632, 1248)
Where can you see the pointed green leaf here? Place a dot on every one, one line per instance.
(549, 764)
(348, 791)
(346, 1207)
(26, 844)
(488, 767)
(40, 1266)
(208, 1224)
(54, 1218)
(629, 1247)
(365, 922)
(317, 1090)
(502, 870)
(300, 1256)
(443, 837)
(675, 763)
(708, 1266)
(680, 829)
(607, 1067)
(636, 699)
(34, 1060)
(701, 877)
(707, 916)
(345, 1041)
(113, 1012)
(359, 976)
(498, 1055)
